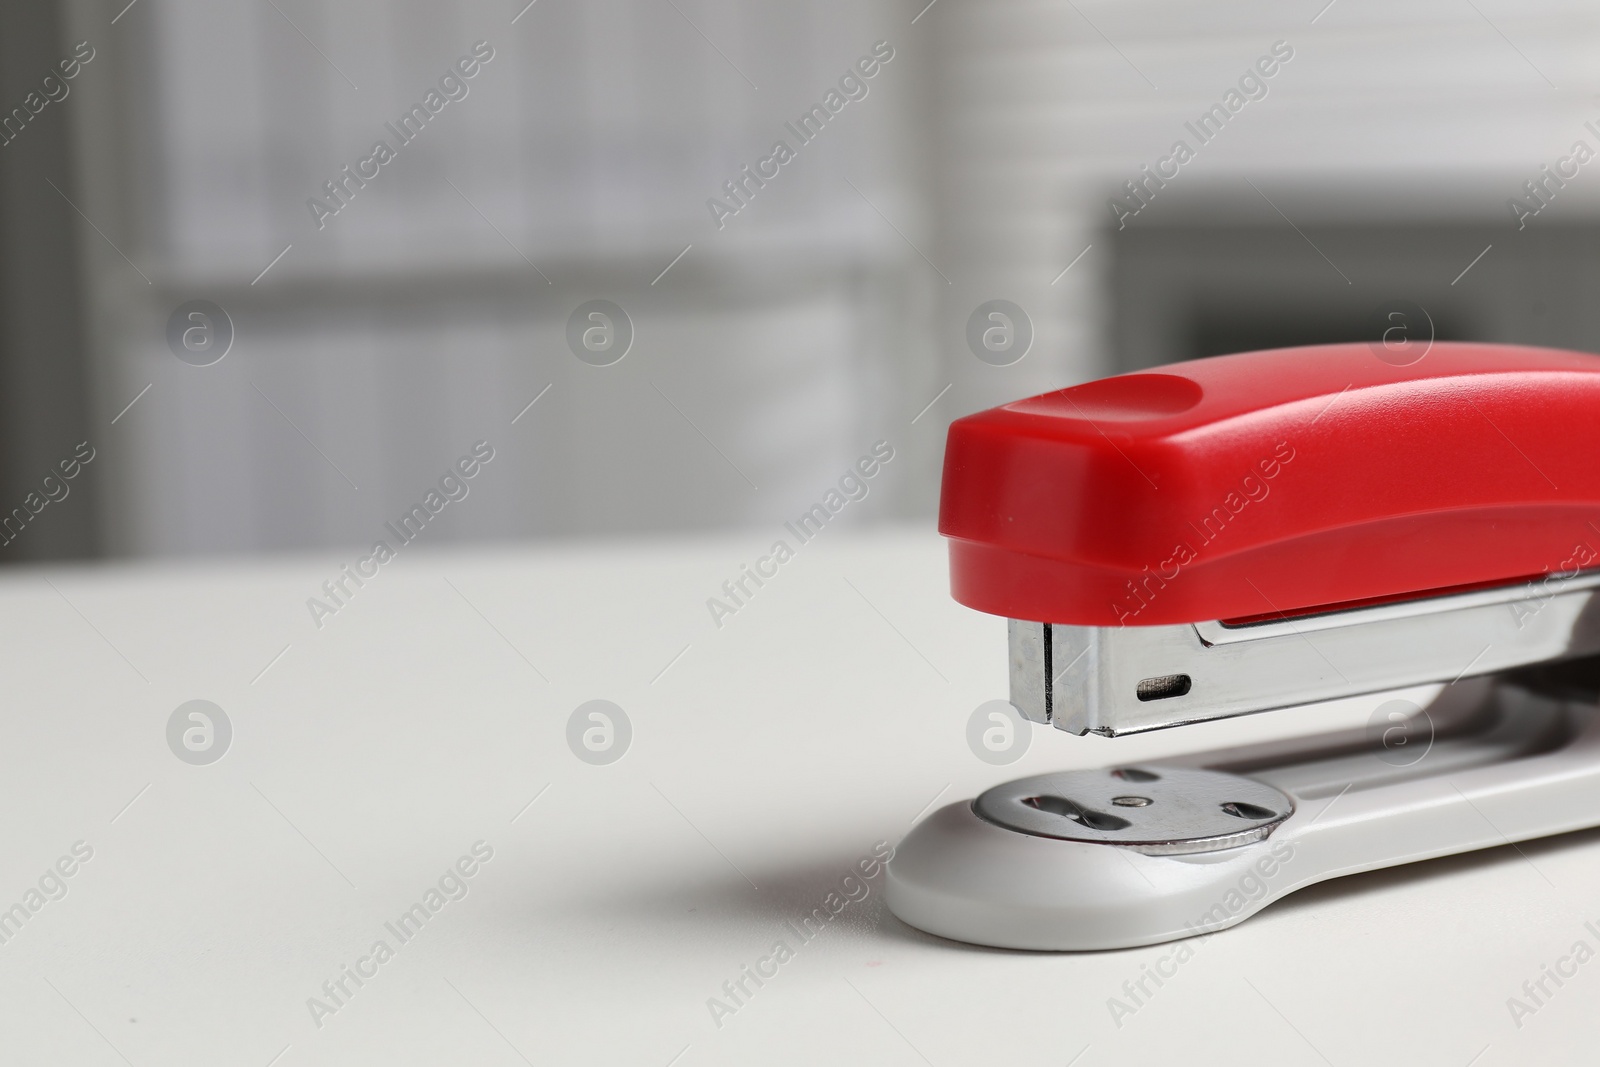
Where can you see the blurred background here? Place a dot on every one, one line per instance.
(847, 299)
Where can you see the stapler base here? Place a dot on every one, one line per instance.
(1043, 863)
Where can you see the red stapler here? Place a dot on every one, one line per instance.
(1265, 531)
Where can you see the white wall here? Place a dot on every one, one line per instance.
(826, 314)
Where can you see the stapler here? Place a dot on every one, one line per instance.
(1259, 533)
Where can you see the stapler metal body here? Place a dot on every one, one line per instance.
(1259, 532)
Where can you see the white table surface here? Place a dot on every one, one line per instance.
(821, 719)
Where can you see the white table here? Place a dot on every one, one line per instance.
(767, 759)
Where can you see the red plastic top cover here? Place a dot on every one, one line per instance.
(1276, 482)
